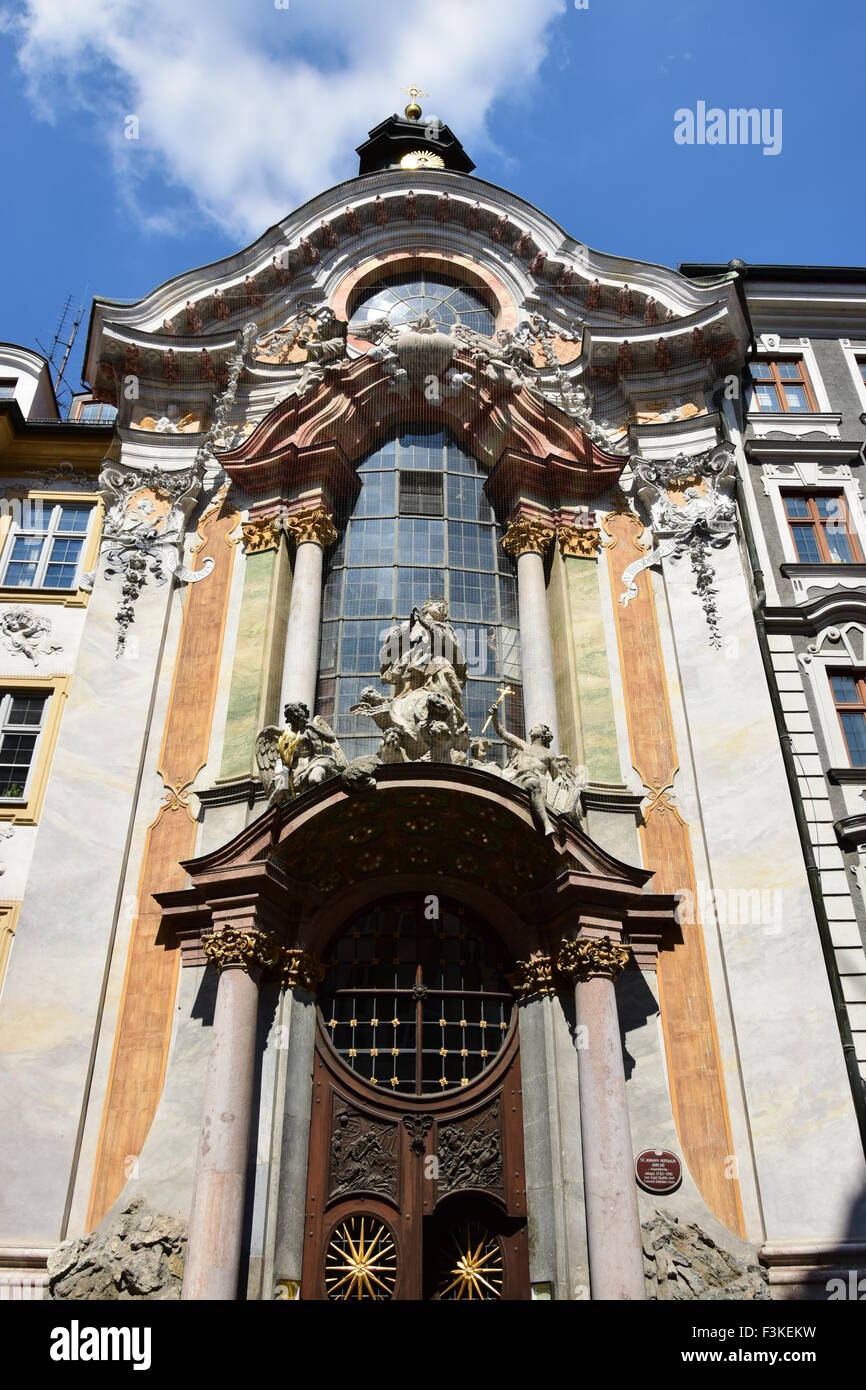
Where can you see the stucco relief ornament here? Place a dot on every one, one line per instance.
(146, 512)
(27, 632)
(705, 520)
(322, 336)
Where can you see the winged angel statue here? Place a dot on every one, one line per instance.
(303, 754)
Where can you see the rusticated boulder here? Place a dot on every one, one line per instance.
(134, 1254)
(682, 1262)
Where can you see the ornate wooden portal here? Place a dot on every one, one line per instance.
(416, 1185)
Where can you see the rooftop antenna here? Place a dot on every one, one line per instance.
(60, 383)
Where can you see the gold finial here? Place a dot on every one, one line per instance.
(413, 110)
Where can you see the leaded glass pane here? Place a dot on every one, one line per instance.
(369, 593)
(403, 301)
(470, 546)
(386, 564)
(421, 542)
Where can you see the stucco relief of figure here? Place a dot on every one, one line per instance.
(303, 754)
(423, 662)
(531, 766)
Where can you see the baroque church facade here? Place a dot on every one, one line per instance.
(434, 711)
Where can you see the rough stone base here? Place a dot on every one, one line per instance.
(134, 1254)
(682, 1262)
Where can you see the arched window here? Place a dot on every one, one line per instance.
(421, 526)
(415, 1006)
(400, 301)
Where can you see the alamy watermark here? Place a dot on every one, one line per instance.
(739, 125)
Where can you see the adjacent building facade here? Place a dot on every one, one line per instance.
(433, 750)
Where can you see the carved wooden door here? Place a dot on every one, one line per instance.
(416, 1184)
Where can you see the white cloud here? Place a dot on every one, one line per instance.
(251, 108)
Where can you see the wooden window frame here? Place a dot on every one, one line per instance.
(778, 383)
(847, 706)
(56, 689)
(818, 524)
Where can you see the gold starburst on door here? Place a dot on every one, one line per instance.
(473, 1266)
(361, 1260)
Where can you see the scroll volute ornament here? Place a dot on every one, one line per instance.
(524, 535)
(588, 956)
(312, 525)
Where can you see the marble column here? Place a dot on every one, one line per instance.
(551, 1135)
(313, 531)
(612, 1218)
(219, 1186)
(527, 541)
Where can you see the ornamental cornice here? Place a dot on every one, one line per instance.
(582, 541)
(313, 525)
(586, 957)
(261, 533)
(297, 258)
(525, 536)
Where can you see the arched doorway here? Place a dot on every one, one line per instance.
(416, 1185)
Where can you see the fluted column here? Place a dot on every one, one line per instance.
(313, 531)
(527, 541)
(219, 1187)
(612, 1217)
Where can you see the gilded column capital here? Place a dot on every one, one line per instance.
(533, 977)
(589, 956)
(261, 533)
(582, 541)
(525, 535)
(299, 970)
(314, 524)
(238, 946)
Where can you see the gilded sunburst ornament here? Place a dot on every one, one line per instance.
(361, 1261)
(473, 1267)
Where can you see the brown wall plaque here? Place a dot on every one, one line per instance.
(658, 1170)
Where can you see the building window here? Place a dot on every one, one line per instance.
(422, 525)
(781, 385)
(95, 413)
(7, 390)
(821, 527)
(446, 301)
(849, 696)
(21, 720)
(44, 548)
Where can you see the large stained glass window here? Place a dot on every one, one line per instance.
(421, 525)
(402, 301)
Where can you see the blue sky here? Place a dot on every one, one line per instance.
(246, 108)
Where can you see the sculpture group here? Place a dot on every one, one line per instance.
(422, 719)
